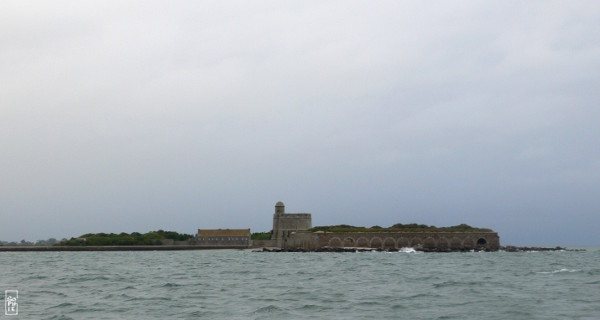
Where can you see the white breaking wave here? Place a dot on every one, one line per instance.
(408, 250)
(559, 271)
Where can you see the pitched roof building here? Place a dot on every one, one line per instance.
(226, 238)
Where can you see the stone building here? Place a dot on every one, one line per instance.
(226, 238)
(284, 224)
(290, 231)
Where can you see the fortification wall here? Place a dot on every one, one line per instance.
(264, 243)
(295, 221)
(427, 241)
(286, 223)
(171, 242)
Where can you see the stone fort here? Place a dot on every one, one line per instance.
(286, 224)
(290, 231)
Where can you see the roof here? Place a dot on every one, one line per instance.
(224, 232)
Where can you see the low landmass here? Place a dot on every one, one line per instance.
(172, 240)
(399, 227)
(152, 238)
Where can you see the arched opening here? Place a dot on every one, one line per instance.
(362, 242)
(376, 242)
(335, 243)
(456, 243)
(443, 244)
(468, 243)
(417, 243)
(481, 242)
(403, 243)
(429, 243)
(389, 243)
(348, 242)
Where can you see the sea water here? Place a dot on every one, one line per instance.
(232, 284)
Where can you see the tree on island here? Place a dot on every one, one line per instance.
(125, 239)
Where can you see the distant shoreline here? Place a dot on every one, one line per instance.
(193, 247)
(111, 248)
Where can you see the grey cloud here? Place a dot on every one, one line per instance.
(144, 115)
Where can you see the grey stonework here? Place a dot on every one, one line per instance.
(290, 232)
(426, 241)
(284, 224)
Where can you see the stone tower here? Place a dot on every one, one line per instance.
(279, 208)
(284, 224)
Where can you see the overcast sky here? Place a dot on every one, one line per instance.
(121, 116)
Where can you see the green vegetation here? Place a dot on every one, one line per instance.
(261, 235)
(398, 227)
(125, 239)
(48, 242)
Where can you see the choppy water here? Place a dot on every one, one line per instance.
(228, 284)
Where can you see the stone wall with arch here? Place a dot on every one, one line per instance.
(426, 241)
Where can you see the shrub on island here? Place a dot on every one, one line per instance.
(399, 227)
(125, 239)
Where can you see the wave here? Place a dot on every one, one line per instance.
(268, 309)
(559, 271)
(62, 305)
(171, 285)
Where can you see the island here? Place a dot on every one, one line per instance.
(294, 232)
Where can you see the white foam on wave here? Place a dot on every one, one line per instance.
(407, 250)
(559, 271)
